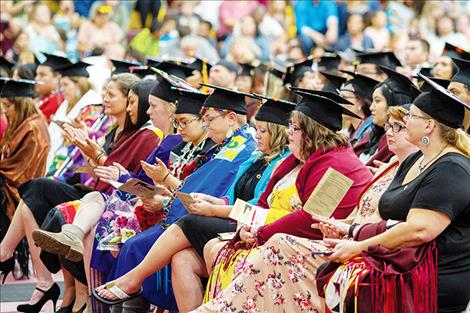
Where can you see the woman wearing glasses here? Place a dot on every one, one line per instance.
(224, 117)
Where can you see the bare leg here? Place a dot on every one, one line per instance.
(211, 250)
(186, 269)
(87, 252)
(43, 276)
(14, 234)
(69, 288)
(81, 293)
(169, 243)
(91, 208)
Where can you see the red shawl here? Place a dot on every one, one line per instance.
(130, 149)
(401, 281)
(298, 223)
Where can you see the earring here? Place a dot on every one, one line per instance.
(77, 94)
(425, 140)
(229, 133)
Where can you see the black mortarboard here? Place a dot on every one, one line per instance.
(349, 55)
(175, 67)
(273, 70)
(122, 66)
(441, 105)
(329, 62)
(331, 95)
(54, 61)
(162, 88)
(141, 71)
(274, 110)
(463, 75)
(189, 101)
(455, 52)
(425, 87)
(363, 85)
(426, 71)
(226, 99)
(387, 59)
(297, 70)
(75, 69)
(17, 88)
(399, 83)
(323, 110)
(6, 65)
(246, 70)
(198, 65)
(334, 82)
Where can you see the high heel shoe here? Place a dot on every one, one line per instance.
(81, 310)
(66, 309)
(6, 267)
(51, 294)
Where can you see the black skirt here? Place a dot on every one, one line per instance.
(200, 229)
(42, 194)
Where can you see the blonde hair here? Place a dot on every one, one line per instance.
(278, 142)
(83, 84)
(398, 113)
(24, 108)
(455, 137)
(316, 136)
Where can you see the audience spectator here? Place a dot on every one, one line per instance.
(43, 36)
(230, 12)
(354, 37)
(378, 31)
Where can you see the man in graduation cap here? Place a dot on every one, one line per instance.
(460, 87)
(49, 93)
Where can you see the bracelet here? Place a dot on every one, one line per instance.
(351, 229)
(99, 156)
(166, 176)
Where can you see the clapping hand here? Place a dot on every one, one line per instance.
(156, 172)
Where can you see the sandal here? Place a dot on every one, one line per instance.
(118, 292)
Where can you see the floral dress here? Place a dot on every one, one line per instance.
(280, 275)
(283, 200)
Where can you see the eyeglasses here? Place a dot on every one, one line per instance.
(209, 119)
(294, 128)
(183, 124)
(413, 117)
(396, 128)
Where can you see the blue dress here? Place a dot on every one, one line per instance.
(213, 178)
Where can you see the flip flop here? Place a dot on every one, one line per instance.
(118, 292)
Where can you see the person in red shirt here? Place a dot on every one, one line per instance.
(50, 96)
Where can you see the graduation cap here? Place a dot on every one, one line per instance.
(199, 64)
(246, 70)
(363, 85)
(141, 71)
(16, 87)
(334, 82)
(425, 87)
(75, 69)
(173, 67)
(463, 75)
(329, 62)
(122, 66)
(54, 61)
(330, 95)
(399, 83)
(6, 65)
(349, 55)
(387, 59)
(455, 52)
(226, 99)
(274, 110)
(189, 101)
(323, 110)
(162, 88)
(441, 105)
(426, 71)
(297, 70)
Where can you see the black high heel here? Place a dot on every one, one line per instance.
(66, 309)
(81, 310)
(6, 267)
(51, 294)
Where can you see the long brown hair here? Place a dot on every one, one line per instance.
(278, 142)
(316, 136)
(24, 108)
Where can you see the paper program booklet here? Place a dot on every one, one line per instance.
(138, 187)
(329, 192)
(248, 214)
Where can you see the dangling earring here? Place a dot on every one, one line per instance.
(77, 94)
(425, 140)
(229, 133)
